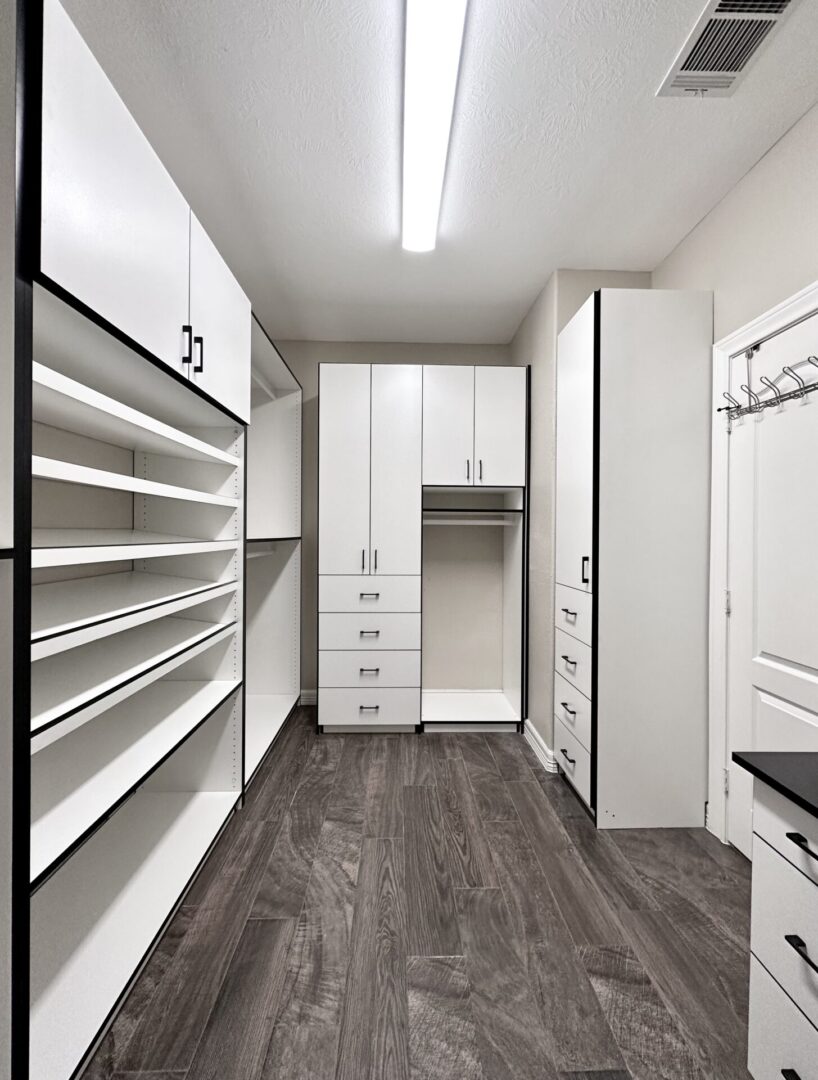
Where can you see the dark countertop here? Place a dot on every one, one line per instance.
(792, 774)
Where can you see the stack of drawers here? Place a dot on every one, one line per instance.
(783, 1034)
(573, 611)
(369, 650)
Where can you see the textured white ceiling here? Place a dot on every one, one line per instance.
(281, 122)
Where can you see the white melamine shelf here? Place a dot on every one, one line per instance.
(466, 707)
(63, 684)
(66, 472)
(93, 922)
(71, 547)
(96, 607)
(63, 403)
(264, 715)
(76, 782)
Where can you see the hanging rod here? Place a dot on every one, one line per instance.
(735, 409)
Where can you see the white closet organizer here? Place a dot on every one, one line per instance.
(630, 603)
(273, 571)
(402, 447)
(136, 675)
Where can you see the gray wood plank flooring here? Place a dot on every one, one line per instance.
(404, 907)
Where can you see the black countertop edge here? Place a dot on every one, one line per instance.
(793, 774)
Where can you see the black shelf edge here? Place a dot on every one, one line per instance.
(792, 773)
(270, 539)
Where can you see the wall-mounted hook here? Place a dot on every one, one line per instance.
(771, 385)
(755, 403)
(794, 375)
(733, 403)
(813, 360)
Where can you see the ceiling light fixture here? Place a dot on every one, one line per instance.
(434, 40)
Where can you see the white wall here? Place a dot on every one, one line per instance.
(304, 358)
(760, 244)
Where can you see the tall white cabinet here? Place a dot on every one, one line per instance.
(631, 556)
(402, 449)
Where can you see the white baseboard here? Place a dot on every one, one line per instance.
(309, 697)
(535, 741)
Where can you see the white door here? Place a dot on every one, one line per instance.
(772, 661)
(221, 321)
(499, 426)
(114, 225)
(343, 468)
(448, 425)
(397, 414)
(575, 451)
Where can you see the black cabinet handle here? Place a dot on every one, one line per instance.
(368, 708)
(376, 560)
(790, 1074)
(797, 943)
(564, 704)
(188, 332)
(801, 842)
(370, 671)
(585, 560)
(569, 661)
(570, 760)
(481, 470)
(363, 557)
(369, 633)
(369, 595)
(468, 469)
(200, 342)
(570, 614)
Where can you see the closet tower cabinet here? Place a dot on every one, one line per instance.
(631, 556)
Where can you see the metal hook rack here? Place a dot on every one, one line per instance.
(735, 409)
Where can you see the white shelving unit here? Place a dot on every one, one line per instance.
(273, 665)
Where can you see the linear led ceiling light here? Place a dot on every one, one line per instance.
(434, 40)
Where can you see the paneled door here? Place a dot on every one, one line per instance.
(575, 450)
(397, 413)
(448, 425)
(499, 426)
(343, 468)
(772, 661)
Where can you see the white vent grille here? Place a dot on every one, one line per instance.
(723, 44)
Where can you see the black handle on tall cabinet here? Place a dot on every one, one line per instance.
(790, 1074)
(198, 340)
(585, 579)
(188, 354)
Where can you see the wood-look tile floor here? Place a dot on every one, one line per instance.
(437, 907)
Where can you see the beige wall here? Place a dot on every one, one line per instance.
(304, 358)
(535, 343)
(760, 244)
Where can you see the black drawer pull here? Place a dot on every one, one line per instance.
(370, 671)
(369, 595)
(369, 633)
(790, 1074)
(569, 661)
(568, 709)
(584, 575)
(571, 760)
(570, 614)
(797, 943)
(801, 842)
(368, 708)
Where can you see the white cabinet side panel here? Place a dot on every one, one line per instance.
(274, 621)
(114, 225)
(499, 426)
(274, 468)
(397, 403)
(448, 425)
(343, 468)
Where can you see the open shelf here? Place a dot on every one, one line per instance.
(461, 516)
(62, 402)
(264, 715)
(95, 607)
(64, 684)
(466, 707)
(71, 547)
(94, 921)
(66, 472)
(78, 782)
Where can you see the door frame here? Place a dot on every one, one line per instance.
(773, 322)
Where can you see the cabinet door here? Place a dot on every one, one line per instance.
(221, 321)
(343, 468)
(114, 227)
(448, 425)
(499, 426)
(575, 450)
(397, 412)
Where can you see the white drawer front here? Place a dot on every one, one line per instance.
(785, 905)
(379, 708)
(572, 660)
(367, 632)
(370, 669)
(780, 1037)
(573, 759)
(573, 611)
(368, 593)
(774, 816)
(573, 709)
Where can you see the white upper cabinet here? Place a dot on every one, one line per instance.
(448, 425)
(397, 407)
(575, 451)
(220, 318)
(114, 225)
(343, 468)
(499, 426)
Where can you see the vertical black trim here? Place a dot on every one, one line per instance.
(526, 526)
(595, 548)
(318, 725)
(243, 783)
(419, 728)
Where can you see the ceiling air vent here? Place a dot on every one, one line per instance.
(722, 46)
